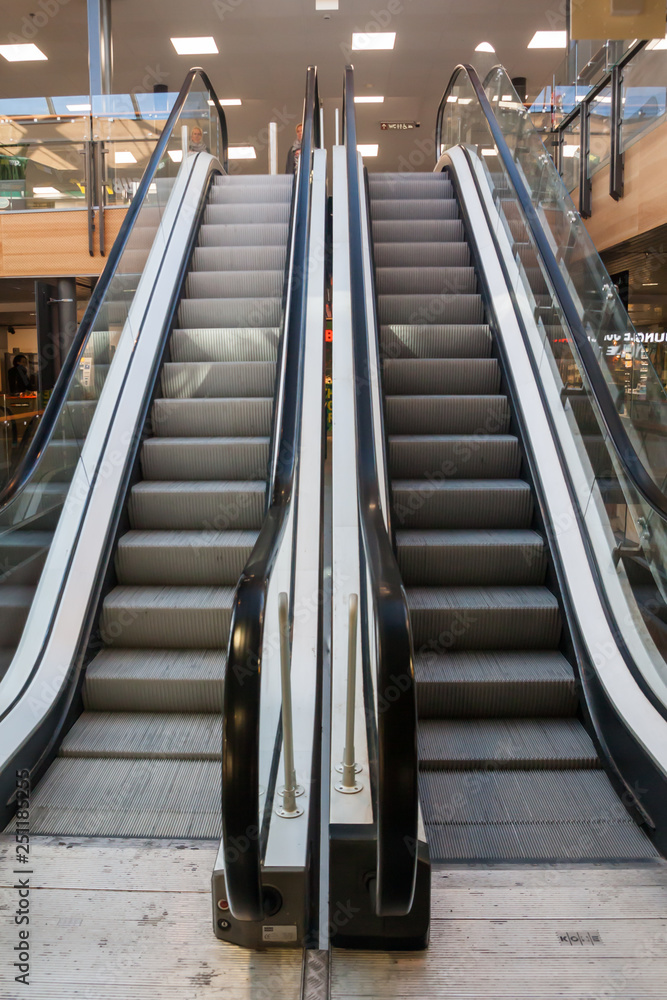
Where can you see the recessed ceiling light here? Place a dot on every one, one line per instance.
(548, 40)
(46, 191)
(124, 156)
(649, 284)
(326, 4)
(202, 46)
(485, 47)
(369, 100)
(368, 149)
(452, 99)
(506, 97)
(373, 40)
(230, 102)
(242, 153)
(657, 43)
(176, 155)
(465, 100)
(78, 107)
(22, 53)
(489, 152)
(570, 151)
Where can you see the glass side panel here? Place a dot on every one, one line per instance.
(644, 94)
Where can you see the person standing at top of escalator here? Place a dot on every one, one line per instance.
(197, 144)
(294, 152)
(18, 376)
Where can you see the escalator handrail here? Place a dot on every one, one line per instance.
(60, 393)
(397, 799)
(625, 450)
(241, 820)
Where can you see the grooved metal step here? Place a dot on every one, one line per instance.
(155, 680)
(213, 458)
(250, 234)
(418, 231)
(232, 344)
(504, 744)
(454, 456)
(217, 379)
(441, 376)
(187, 558)
(213, 505)
(245, 312)
(265, 258)
(226, 194)
(39, 504)
(400, 186)
(167, 617)
(550, 815)
(462, 503)
(414, 208)
(145, 736)
(435, 341)
(453, 414)
(264, 213)
(128, 798)
(477, 557)
(483, 618)
(424, 280)
(234, 284)
(436, 307)
(15, 604)
(210, 417)
(477, 684)
(421, 255)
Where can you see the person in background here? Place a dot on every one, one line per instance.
(294, 152)
(18, 376)
(197, 144)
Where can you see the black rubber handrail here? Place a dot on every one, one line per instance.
(28, 464)
(634, 468)
(241, 820)
(397, 801)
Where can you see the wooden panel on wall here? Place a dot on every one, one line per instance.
(38, 244)
(644, 202)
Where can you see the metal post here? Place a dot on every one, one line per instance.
(100, 47)
(67, 319)
(184, 140)
(585, 206)
(322, 126)
(616, 121)
(349, 767)
(337, 121)
(273, 147)
(289, 808)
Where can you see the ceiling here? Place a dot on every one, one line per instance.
(265, 47)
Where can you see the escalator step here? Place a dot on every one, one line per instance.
(421, 254)
(209, 417)
(441, 376)
(167, 617)
(145, 736)
(77, 416)
(454, 456)
(155, 680)
(40, 502)
(411, 209)
(187, 558)
(504, 744)
(128, 798)
(425, 280)
(462, 503)
(214, 458)
(435, 308)
(250, 234)
(234, 284)
(232, 344)
(261, 180)
(209, 505)
(456, 414)
(15, 602)
(245, 194)
(245, 312)
(401, 186)
(263, 258)
(479, 684)
(435, 341)
(475, 557)
(483, 618)
(528, 816)
(418, 231)
(217, 379)
(248, 213)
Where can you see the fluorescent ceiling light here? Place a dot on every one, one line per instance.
(373, 40)
(242, 153)
(548, 40)
(78, 107)
(124, 156)
(368, 149)
(657, 43)
(326, 4)
(570, 151)
(176, 155)
(465, 100)
(369, 100)
(22, 53)
(489, 152)
(51, 191)
(230, 102)
(485, 47)
(201, 46)
(649, 284)
(506, 97)
(452, 99)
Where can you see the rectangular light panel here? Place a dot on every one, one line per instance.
(366, 40)
(22, 53)
(201, 46)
